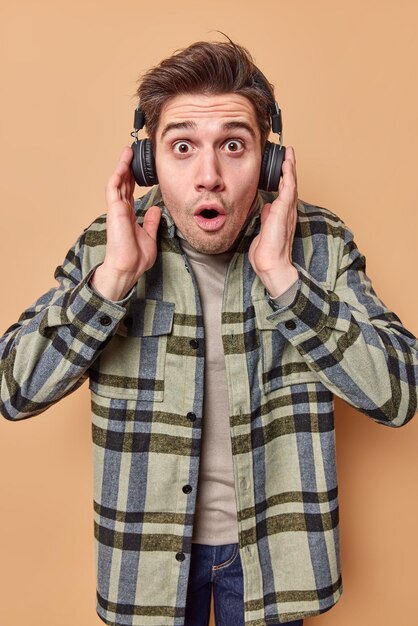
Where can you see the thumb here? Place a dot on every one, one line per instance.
(151, 221)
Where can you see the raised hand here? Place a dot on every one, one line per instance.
(270, 252)
(131, 249)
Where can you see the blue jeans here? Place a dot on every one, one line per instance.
(217, 567)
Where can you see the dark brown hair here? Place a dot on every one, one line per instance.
(207, 68)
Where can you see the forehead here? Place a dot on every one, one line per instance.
(199, 108)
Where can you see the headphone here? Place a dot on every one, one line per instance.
(143, 162)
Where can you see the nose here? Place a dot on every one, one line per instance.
(208, 176)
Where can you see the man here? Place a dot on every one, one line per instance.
(214, 322)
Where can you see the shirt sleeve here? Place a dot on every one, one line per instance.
(47, 353)
(359, 349)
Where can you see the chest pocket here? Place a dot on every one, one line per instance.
(133, 363)
(281, 362)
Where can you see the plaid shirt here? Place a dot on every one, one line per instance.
(144, 357)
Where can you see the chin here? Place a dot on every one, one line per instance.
(209, 245)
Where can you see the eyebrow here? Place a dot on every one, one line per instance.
(192, 125)
(177, 126)
(240, 125)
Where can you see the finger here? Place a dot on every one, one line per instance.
(290, 157)
(132, 185)
(289, 160)
(265, 212)
(288, 186)
(151, 221)
(290, 154)
(126, 155)
(123, 166)
(125, 194)
(121, 173)
(288, 169)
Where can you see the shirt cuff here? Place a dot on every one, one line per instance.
(286, 298)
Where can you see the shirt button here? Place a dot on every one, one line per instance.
(105, 320)
(194, 344)
(187, 488)
(191, 416)
(290, 325)
(180, 556)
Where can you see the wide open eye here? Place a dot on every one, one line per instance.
(234, 145)
(181, 147)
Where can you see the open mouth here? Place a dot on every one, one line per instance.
(210, 218)
(209, 214)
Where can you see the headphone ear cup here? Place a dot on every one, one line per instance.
(271, 166)
(143, 163)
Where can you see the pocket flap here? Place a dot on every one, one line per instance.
(281, 361)
(147, 318)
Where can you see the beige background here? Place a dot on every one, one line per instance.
(345, 76)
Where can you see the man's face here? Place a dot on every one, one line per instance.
(208, 156)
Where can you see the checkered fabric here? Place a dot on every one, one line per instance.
(144, 357)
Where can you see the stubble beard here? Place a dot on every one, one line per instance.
(206, 242)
